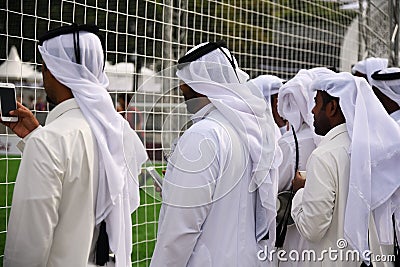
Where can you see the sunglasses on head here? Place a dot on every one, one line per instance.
(74, 29)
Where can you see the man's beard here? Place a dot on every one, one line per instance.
(51, 103)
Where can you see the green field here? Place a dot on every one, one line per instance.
(144, 219)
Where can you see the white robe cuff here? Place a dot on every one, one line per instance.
(22, 142)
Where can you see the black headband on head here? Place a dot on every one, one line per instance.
(201, 51)
(74, 29)
(385, 76)
(204, 50)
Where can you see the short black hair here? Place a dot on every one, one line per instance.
(326, 98)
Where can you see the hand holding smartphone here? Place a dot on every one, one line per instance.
(156, 177)
(23, 121)
(8, 102)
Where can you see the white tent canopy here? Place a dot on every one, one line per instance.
(120, 76)
(13, 69)
(148, 81)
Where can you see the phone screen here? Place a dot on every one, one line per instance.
(8, 102)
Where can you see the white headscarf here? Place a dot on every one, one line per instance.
(268, 84)
(118, 191)
(391, 88)
(375, 152)
(369, 66)
(295, 99)
(242, 104)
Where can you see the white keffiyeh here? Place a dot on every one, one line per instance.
(244, 106)
(268, 84)
(391, 88)
(369, 66)
(118, 192)
(375, 150)
(295, 99)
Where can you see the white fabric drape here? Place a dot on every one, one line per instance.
(295, 99)
(369, 66)
(391, 88)
(118, 192)
(375, 150)
(244, 106)
(268, 84)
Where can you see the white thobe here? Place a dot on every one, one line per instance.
(283, 129)
(293, 239)
(52, 220)
(396, 116)
(287, 145)
(217, 226)
(318, 210)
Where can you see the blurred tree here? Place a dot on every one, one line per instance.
(135, 31)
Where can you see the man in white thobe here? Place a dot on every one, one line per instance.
(64, 191)
(386, 86)
(218, 199)
(323, 209)
(385, 91)
(293, 105)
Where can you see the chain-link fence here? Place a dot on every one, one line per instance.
(142, 38)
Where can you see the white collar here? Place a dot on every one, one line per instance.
(202, 113)
(335, 131)
(61, 108)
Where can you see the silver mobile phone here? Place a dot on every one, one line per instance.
(8, 102)
(155, 175)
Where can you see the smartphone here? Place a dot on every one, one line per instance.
(155, 175)
(8, 102)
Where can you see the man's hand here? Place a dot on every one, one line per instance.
(26, 121)
(298, 181)
(158, 189)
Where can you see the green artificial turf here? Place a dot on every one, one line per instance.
(144, 219)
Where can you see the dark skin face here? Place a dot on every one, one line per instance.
(277, 118)
(48, 84)
(56, 92)
(390, 105)
(321, 121)
(326, 115)
(193, 100)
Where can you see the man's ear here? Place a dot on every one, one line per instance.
(332, 108)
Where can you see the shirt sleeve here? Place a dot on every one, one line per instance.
(22, 142)
(312, 207)
(34, 212)
(187, 195)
